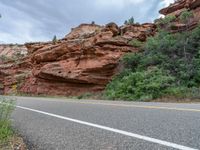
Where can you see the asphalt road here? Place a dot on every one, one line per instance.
(58, 124)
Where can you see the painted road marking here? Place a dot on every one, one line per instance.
(123, 105)
(139, 106)
(116, 105)
(141, 137)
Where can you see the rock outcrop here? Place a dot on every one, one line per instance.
(178, 8)
(10, 51)
(11, 60)
(84, 61)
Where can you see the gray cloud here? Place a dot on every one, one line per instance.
(39, 20)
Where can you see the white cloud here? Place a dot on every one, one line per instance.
(24, 21)
(17, 27)
(23, 30)
(167, 2)
(116, 3)
(123, 3)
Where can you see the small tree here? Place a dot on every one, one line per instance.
(129, 21)
(54, 40)
(125, 22)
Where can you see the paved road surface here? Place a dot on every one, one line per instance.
(58, 124)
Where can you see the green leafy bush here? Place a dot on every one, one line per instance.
(84, 96)
(175, 59)
(136, 43)
(167, 19)
(4, 58)
(6, 108)
(140, 85)
(177, 54)
(185, 16)
(166, 22)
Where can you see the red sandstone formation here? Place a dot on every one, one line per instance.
(84, 61)
(178, 8)
(180, 5)
(11, 62)
(9, 51)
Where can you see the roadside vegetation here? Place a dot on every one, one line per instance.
(167, 66)
(6, 132)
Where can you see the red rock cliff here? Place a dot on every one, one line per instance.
(84, 61)
(180, 6)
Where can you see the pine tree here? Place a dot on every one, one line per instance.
(129, 21)
(54, 39)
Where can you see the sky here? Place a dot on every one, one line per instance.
(39, 20)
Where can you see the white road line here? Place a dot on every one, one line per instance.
(145, 138)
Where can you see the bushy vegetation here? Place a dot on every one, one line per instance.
(136, 43)
(166, 23)
(168, 65)
(168, 19)
(185, 16)
(4, 58)
(129, 21)
(140, 85)
(15, 58)
(6, 108)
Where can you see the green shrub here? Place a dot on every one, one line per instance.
(4, 58)
(166, 23)
(175, 59)
(185, 16)
(193, 93)
(84, 96)
(144, 85)
(131, 60)
(136, 43)
(178, 54)
(6, 108)
(167, 19)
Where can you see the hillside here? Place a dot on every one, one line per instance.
(88, 58)
(168, 64)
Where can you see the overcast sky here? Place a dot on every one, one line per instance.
(39, 20)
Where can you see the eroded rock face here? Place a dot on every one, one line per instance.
(139, 32)
(84, 61)
(180, 6)
(13, 66)
(10, 51)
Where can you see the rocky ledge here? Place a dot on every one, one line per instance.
(83, 61)
(179, 8)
